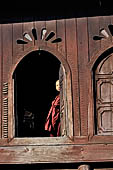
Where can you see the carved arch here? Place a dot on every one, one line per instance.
(61, 58)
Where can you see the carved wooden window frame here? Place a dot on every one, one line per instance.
(68, 136)
(92, 136)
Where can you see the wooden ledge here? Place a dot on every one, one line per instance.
(67, 153)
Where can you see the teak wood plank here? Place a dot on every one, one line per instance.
(30, 154)
(17, 34)
(102, 152)
(7, 49)
(56, 154)
(111, 31)
(83, 140)
(71, 48)
(82, 41)
(104, 22)
(93, 31)
(7, 63)
(27, 28)
(61, 34)
(39, 26)
(36, 141)
(51, 27)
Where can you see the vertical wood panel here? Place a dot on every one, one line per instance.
(104, 22)
(51, 26)
(27, 28)
(93, 30)
(7, 49)
(0, 83)
(61, 34)
(17, 34)
(39, 25)
(71, 44)
(7, 62)
(82, 62)
(111, 17)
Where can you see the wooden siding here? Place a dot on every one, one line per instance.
(80, 51)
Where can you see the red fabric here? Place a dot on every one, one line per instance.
(53, 119)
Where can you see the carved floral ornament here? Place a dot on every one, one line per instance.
(103, 33)
(43, 36)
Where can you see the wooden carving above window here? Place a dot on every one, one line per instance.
(103, 33)
(43, 36)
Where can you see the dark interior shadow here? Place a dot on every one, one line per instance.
(34, 80)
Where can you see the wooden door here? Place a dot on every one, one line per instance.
(104, 96)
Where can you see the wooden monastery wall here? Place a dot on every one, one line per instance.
(80, 50)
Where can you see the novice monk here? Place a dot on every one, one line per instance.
(53, 119)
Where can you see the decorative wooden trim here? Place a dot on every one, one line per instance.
(46, 141)
(5, 117)
(43, 36)
(5, 109)
(5, 88)
(36, 141)
(62, 59)
(96, 55)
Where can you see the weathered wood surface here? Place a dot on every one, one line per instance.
(94, 46)
(80, 51)
(17, 34)
(56, 154)
(78, 48)
(82, 73)
(104, 21)
(7, 62)
(71, 53)
(61, 31)
(39, 26)
(51, 27)
(27, 28)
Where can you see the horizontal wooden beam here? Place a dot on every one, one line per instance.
(83, 140)
(56, 154)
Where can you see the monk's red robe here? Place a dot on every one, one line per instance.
(53, 119)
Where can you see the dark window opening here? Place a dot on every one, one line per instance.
(34, 90)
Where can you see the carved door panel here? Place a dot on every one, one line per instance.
(104, 96)
(62, 79)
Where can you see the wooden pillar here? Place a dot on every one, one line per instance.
(84, 167)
